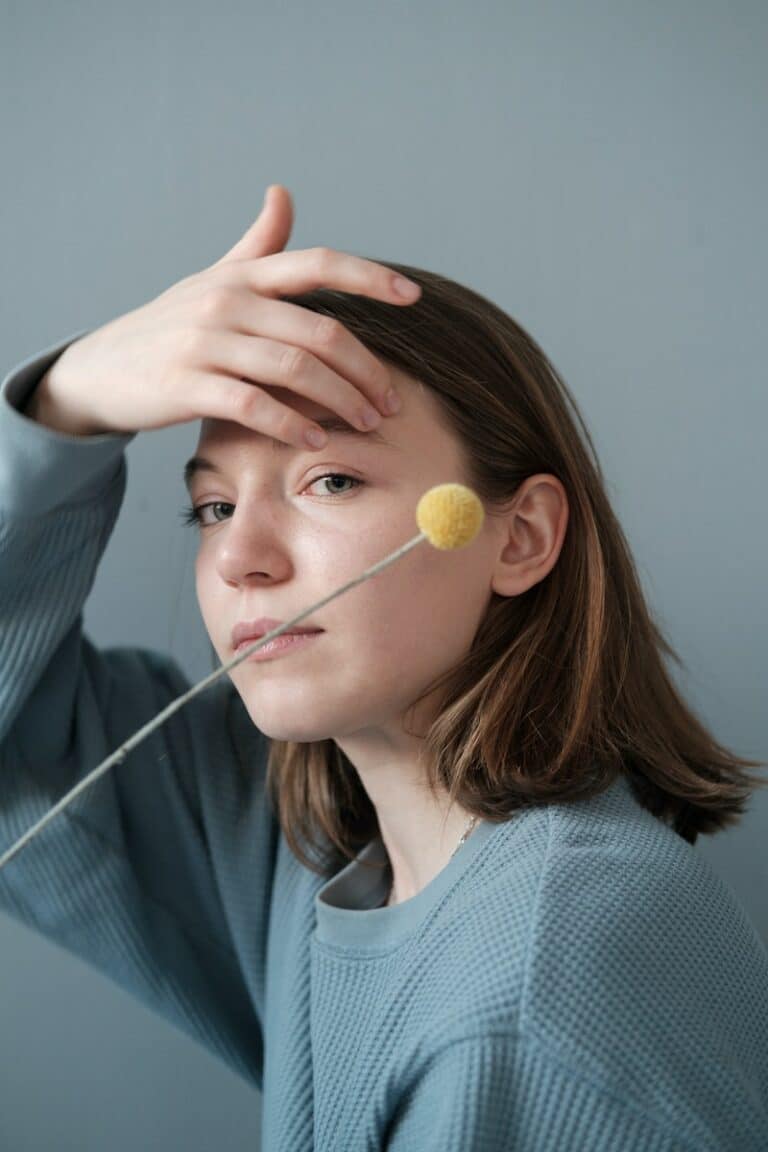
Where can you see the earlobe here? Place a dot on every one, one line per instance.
(531, 535)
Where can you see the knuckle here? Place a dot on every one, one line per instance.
(212, 302)
(293, 363)
(328, 332)
(244, 403)
(323, 259)
(192, 343)
(287, 425)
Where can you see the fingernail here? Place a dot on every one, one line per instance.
(370, 417)
(315, 437)
(391, 402)
(405, 288)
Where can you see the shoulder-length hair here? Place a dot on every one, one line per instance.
(564, 687)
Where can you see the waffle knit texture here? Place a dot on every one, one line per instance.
(577, 976)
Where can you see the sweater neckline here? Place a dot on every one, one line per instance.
(349, 907)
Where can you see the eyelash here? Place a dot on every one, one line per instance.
(193, 515)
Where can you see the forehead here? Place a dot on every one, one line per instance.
(214, 430)
(417, 415)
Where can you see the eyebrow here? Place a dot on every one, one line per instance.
(330, 424)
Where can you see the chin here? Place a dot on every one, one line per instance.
(287, 727)
(293, 733)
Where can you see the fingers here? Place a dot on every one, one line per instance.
(291, 273)
(311, 354)
(266, 361)
(325, 337)
(270, 231)
(253, 407)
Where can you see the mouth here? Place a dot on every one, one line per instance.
(253, 630)
(286, 642)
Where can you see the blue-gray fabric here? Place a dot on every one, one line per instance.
(577, 977)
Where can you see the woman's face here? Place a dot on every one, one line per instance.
(279, 538)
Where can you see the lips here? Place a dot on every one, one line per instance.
(255, 629)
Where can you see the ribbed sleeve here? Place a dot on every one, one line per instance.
(123, 876)
(501, 1093)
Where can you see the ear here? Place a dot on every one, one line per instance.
(531, 534)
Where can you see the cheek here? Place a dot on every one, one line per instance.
(207, 591)
(201, 582)
(415, 611)
(436, 605)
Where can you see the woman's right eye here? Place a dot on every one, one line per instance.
(194, 515)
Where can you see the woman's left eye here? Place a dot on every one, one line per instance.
(194, 515)
(336, 476)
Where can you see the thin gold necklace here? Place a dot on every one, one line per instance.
(470, 825)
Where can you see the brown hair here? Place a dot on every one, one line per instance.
(564, 687)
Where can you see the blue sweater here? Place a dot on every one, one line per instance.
(577, 977)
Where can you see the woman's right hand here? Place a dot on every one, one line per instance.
(202, 347)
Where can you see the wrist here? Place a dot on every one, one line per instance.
(43, 407)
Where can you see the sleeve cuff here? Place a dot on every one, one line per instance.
(41, 469)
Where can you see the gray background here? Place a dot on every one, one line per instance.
(598, 169)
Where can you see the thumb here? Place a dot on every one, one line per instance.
(271, 229)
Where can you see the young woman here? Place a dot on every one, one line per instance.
(426, 877)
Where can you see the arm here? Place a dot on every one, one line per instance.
(504, 1093)
(123, 878)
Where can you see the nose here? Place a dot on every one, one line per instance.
(251, 548)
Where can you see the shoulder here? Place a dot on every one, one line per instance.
(595, 936)
(583, 924)
(632, 920)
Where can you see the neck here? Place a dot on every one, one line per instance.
(420, 828)
(395, 898)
